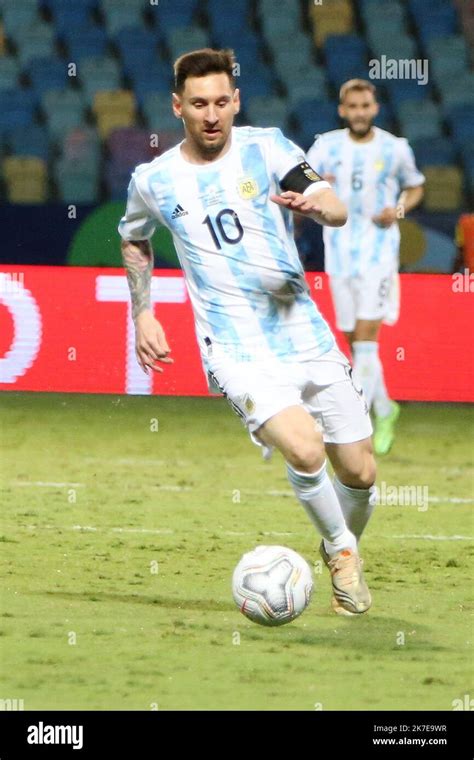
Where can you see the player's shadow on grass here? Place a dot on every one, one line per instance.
(207, 605)
(367, 634)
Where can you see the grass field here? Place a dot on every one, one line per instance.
(118, 542)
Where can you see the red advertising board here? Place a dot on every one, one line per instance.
(69, 329)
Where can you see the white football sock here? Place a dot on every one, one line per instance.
(382, 402)
(317, 495)
(367, 366)
(357, 505)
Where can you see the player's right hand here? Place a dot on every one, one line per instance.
(150, 345)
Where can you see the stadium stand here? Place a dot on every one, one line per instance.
(95, 76)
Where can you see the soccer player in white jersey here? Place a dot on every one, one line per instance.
(227, 195)
(374, 173)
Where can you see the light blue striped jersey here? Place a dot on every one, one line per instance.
(367, 177)
(236, 247)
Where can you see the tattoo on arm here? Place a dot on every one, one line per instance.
(138, 261)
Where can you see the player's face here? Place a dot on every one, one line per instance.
(359, 110)
(207, 106)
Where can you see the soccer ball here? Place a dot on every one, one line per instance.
(272, 585)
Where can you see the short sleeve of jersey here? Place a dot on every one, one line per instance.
(408, 173)
(316, 155)
(137, 223)
(284, 154)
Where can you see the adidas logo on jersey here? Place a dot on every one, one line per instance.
(179, 211)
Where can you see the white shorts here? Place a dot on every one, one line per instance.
(257, 390)
(372, 296)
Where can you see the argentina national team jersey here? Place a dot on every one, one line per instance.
(368, 177)
(236, 247)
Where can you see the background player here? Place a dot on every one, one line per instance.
(262, 339)
(375, 174)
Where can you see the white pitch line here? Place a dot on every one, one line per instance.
(269, 492)
(45, 484)
(429, 537)
(169, 531)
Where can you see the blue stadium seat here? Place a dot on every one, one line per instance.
(461, 122)
(457, 91)
(438, 23)
(274, 7)
(31, 140)
(452, 47)
(382, 10)
(32, 31)
(279, 28)
(18, 108)
(301, 47)
(85, 42)
(182, 39)
(314, 117)
(235, 15)
(400, 90)
(134, 38)
(64, 110)
(309, 85)
(47, 74)
(9, 72)
(58, 5)
(158, 113)
(170, 14)
(436, 152)
(386, 44)
(18, 17)
(156, 79)
(290, 64)
(259, 81)
(267, 111)
(120, 17)
(71, 17)
(99, 73)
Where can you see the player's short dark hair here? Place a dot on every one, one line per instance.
(198, 63)
(358, 85)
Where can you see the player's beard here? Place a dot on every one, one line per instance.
(210, 149)
(361, 131)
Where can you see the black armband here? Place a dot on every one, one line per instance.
(299, 178)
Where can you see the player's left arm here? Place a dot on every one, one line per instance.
(411, 181)
(320, 204)
(303, 190)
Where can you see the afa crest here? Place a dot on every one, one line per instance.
(247, 188)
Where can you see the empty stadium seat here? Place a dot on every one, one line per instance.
(64, 110)
(47, 74)
(419, 119)
(26, 179)
(77, 181)
(9, 72)
(85, 42)
(18, 109)
(267, 111)
(438, 151)
(182, 39)
(130, 146)
(443, 188)
(158, 113)
(118, 17)
(333, 17)
(29, 141)
(97, 74)
(114, 109)
(80, 144)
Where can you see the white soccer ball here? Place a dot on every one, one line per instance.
(272, 585)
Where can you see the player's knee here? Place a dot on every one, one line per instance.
(305, 454)
(361, 473)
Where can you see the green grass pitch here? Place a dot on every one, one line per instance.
(123, 518)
